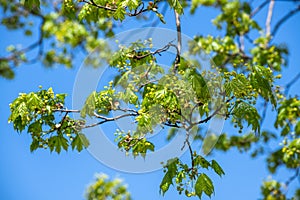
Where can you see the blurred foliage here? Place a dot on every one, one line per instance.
(103, 188)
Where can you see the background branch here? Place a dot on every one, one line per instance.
(179, 40)
(284, 19)
(269, 17)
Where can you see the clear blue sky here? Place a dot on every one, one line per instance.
(45, 176)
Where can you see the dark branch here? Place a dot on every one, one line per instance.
(284, 19)
(292, 82)
(140, 9)
(261, 6)
(213, 114)
(296, 175)
(14, 57)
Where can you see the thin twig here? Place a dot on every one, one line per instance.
(158, 51)
(212, 115)
(91, 2)
(66, 110)
(140, 9)
(107, 119)
(249, 39)
(293, 177)
(261, 6)
(186, 141)
(195, 106)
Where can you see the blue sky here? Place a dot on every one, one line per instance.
(42, 175)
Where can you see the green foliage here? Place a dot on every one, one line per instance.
(99, 103)
(236, 16)
(103, 188)
(39, 113)
(33, 5)
(204, 184)
(189, 178)
(5, 70)
(180, 96)
(272, 190)
(136, 144)
(176, 5)
(269, 55)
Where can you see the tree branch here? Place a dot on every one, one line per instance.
(140, 9)
(293, 177)
(190, 148)
(269, 17)
(289, 84)
(261, 6)
(284, 19)
(158, 51)
(212, 115)
(107, 119)
(179, 40)
(15, 55)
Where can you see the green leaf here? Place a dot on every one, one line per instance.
(245, 112)
(170, 174)
(89, 106)
(217, 168)
(204, 184)
(199, 85)
(199, 160)
(172, 132)
(120, 13)
(176, 5)
(166, 182)
(34, 145)
(33, 5)
(5, 70)
(261, 79)
(35, 127)
(57, 143)
(79, 142)
(161, 17)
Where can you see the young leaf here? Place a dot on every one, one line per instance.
(204, 184)
(199, 160)
(171, 173)
(217, 168)
(79, 142)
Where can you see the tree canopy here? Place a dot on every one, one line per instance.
(241, 87)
